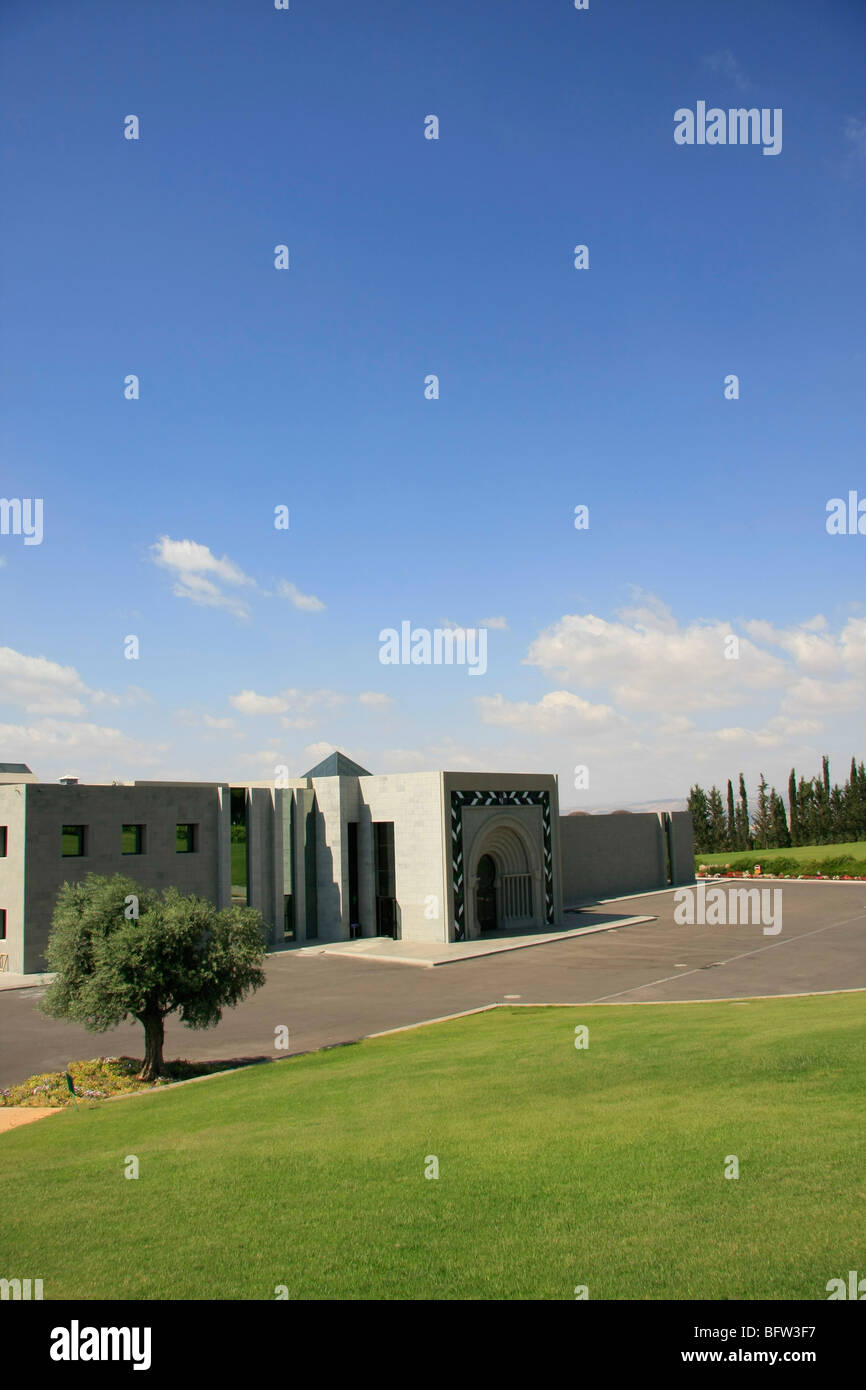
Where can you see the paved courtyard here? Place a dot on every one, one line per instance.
(326, 999)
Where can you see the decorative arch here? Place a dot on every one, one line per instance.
(509, 845)
(459, 799)
(517, 888)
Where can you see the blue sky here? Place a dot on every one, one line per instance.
(558, 387)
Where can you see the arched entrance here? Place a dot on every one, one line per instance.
(504, 878)
(485, 895)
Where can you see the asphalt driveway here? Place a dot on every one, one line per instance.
(324, 1000)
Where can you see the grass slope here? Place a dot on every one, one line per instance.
(804, 854)
(558, 1167)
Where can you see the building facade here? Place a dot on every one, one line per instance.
(330, 856)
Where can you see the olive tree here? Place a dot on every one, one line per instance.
(123, 951)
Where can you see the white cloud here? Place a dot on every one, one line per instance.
(94, 745)
(445, 754)
(649, 662)
(269, 759)
(316, 752)
(298, 705)
(133, 695)
(290, 702)
(558, 712)
(778, 732)
(724, 63)
(406, 760)
(853, 644)
(188, 557)
(648, 611)
(196, 570)
(39, 686)
(655, 669)
(813, 648)
(809, 644)
(308, 603)
(201, 576)
(211, 725)
(670, 694)
(297, 708)
(498, 624)
(249, 702)
(810, 696)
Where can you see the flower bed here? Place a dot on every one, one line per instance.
(834, 869)
(758, 873)
(100, 1078)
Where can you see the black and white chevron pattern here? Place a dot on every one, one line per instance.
(498, 798)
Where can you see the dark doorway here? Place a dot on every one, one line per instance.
(354, 905)
(384, 871)
(486, 895)
(240, 845)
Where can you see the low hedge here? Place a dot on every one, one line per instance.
(780, 866)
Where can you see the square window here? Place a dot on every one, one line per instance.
(132, 839)
(72, 840)
(3, 838)
(187, 839)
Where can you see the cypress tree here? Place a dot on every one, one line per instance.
(762, 827)
(859, 825)
(806, 817)
(781, 834)
(743, 817)
(822, 804)
(718, 825)
(838, 817)
(820, 812)
(852, 803)
(732, 819)
(792, 808)
(697, 805)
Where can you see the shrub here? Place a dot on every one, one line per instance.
(100, 1078)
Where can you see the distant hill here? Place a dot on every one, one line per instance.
(634, 807)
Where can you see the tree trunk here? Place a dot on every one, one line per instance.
(154, 1034)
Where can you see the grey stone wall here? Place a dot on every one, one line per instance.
(607, 856)
(13, 817)
(682, 847)
(103, 811)
(413, 801)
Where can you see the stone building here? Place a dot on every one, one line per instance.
(335, 854)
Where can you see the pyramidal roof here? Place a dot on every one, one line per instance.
(337, 765)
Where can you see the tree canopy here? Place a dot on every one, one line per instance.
(122, 951)
(818, 813)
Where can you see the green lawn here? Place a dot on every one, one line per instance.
(239, 863)
(558, 1167)
(853, 849)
